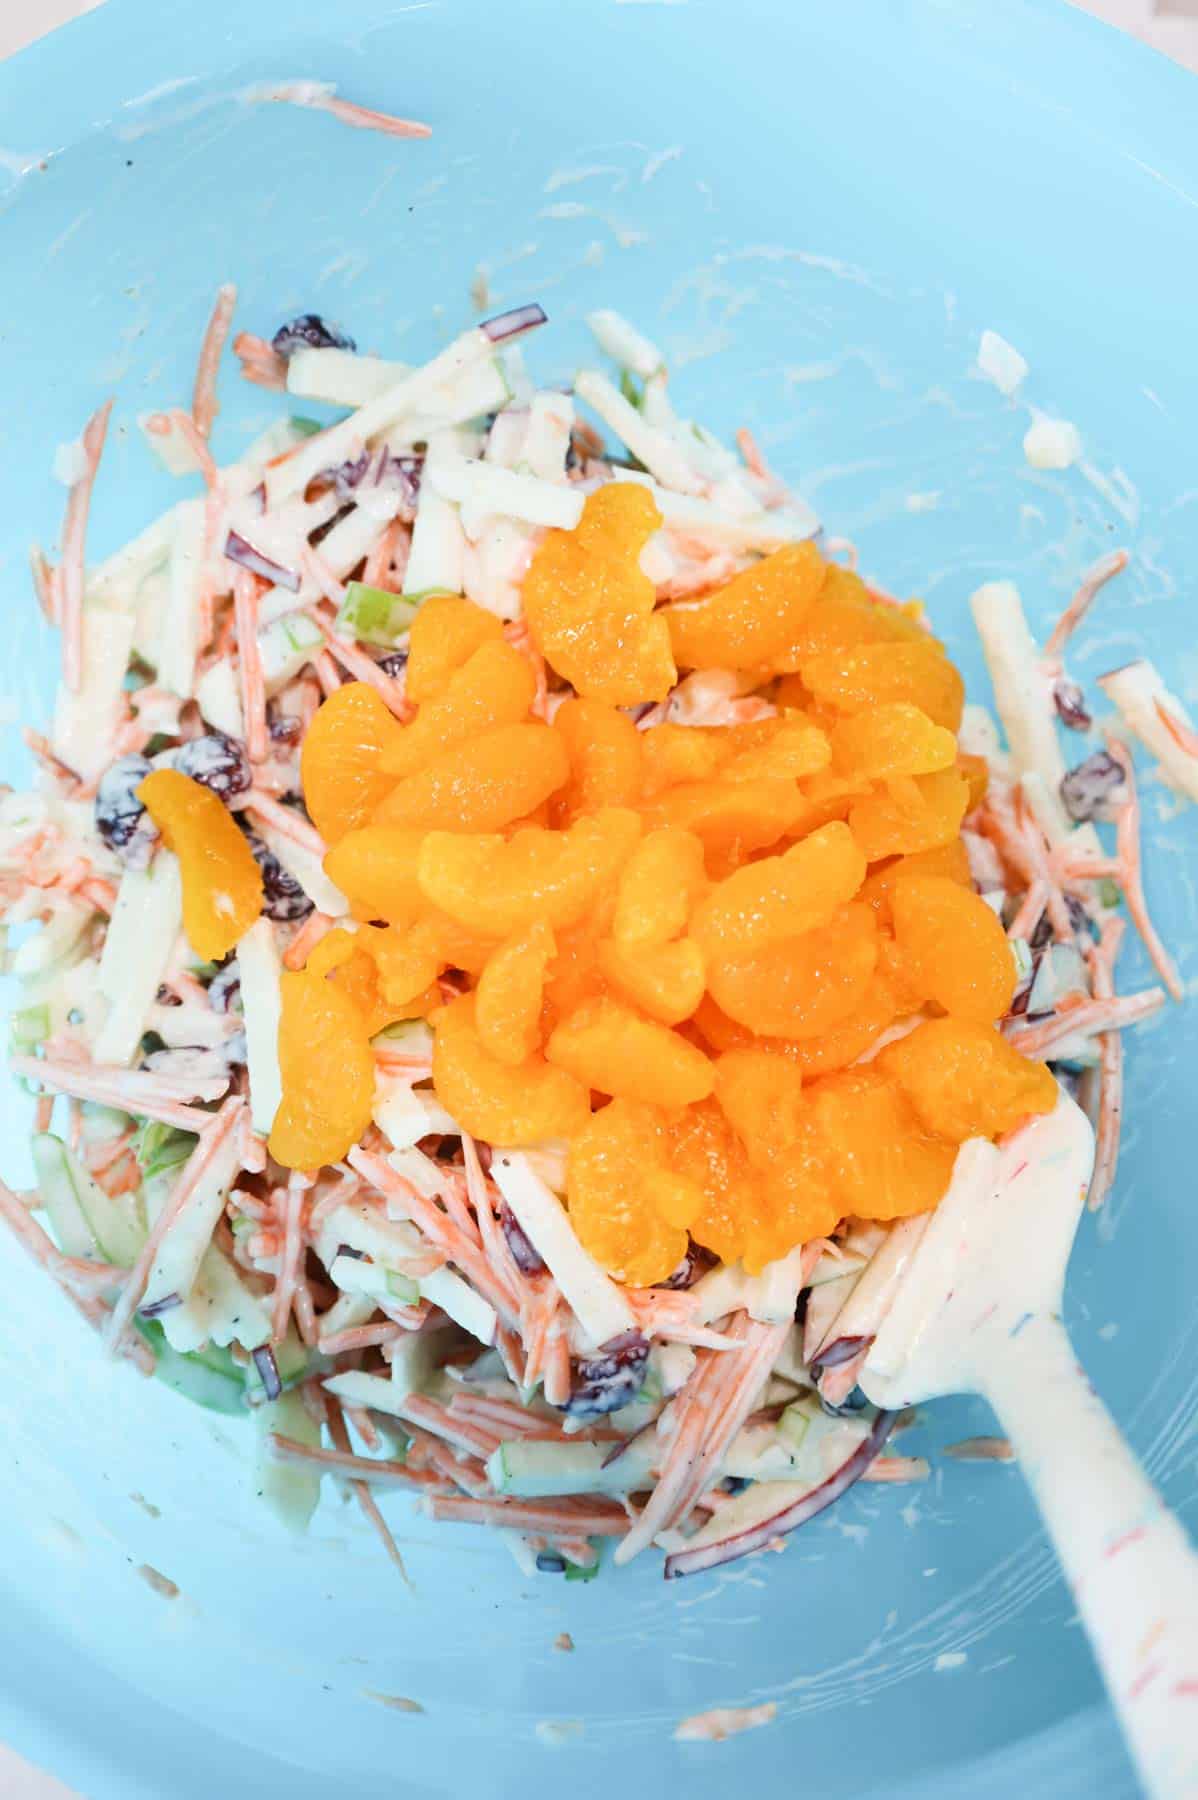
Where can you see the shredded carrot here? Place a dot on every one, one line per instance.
(249, 664)
(706, 1415)
(1094, 579)
(316, 926)
(127, 1090)
(573, 1512)
(72, 572)
(35, 1242)
(358, 664)
(444, 1424)
(286, 821)
(1091, 1016)
(288, 1278)
(358, 1337)
(189, 432)
(378, 563)
(43, 583)
(1031, 910)
(218, 1128)
(438, 1228)
(366, 1501)
(1127, 845)
(203, 399)
(897, 1468)
(260, 361)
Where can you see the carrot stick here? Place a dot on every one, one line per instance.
(1127, 845)
(1093, 580)
(249, 663)
(203, 398)
(1110, 1093)
(74, 536)
(196, 1166)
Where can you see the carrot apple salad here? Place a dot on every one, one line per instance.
(521, 933)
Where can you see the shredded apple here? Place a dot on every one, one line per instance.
(676, 947)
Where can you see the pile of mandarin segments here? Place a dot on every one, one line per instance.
(676, 943)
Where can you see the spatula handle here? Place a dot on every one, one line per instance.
(1131, 1569)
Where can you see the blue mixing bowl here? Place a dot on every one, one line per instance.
(816, 209)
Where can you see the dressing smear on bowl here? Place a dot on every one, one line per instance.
(523, 932)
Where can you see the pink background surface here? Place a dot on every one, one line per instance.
(1170, 26)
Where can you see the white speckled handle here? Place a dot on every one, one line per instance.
(1132, 1572)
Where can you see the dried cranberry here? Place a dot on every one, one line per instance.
(610, 1379)
(1093, 789)
(1070, 703)
(308, 331)
(121, 820)
(216, 761)
(284, 728)
(696, 1262)
(283, 899)
(526, 1259)
(224, 990)
(394, 664)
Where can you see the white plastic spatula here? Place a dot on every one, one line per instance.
(978, 1311)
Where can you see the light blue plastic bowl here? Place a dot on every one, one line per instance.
(816, 210)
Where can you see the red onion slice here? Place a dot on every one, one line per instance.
(237, 550)
(166, 1304)
(840, 1350)
(505, 326)
(758, 1537)
(268, 1369)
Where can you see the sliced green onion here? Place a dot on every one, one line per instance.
(1109, 893)
(574, 1572)
(373, 615)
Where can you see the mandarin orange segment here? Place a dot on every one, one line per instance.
(964, 1080)
(481, 785)
(754, 621)
(445, 634)
(976, 771)
(761, 1095)
(892, 739)
(589, 608)
(328, 1073)
(664, 980)
(498, 1102)
(733, 819)
(671, 754)
(608, 1047)
(341, 955)
(222, 884)
(798, 987)
(791, 749)
(604, 751)
(877, 1010)
(955, 946)
(884, 1164)
(658, 886)
(910, 814)
(496, 884)
(495, 687)
(375, 868)
(919, 673)
(780, 896)
(951, 861)
(704, 1149)
(624, 1203)
(509, 992)
(341, 763)
(845, 616)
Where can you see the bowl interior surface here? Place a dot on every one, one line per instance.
(815, 213)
